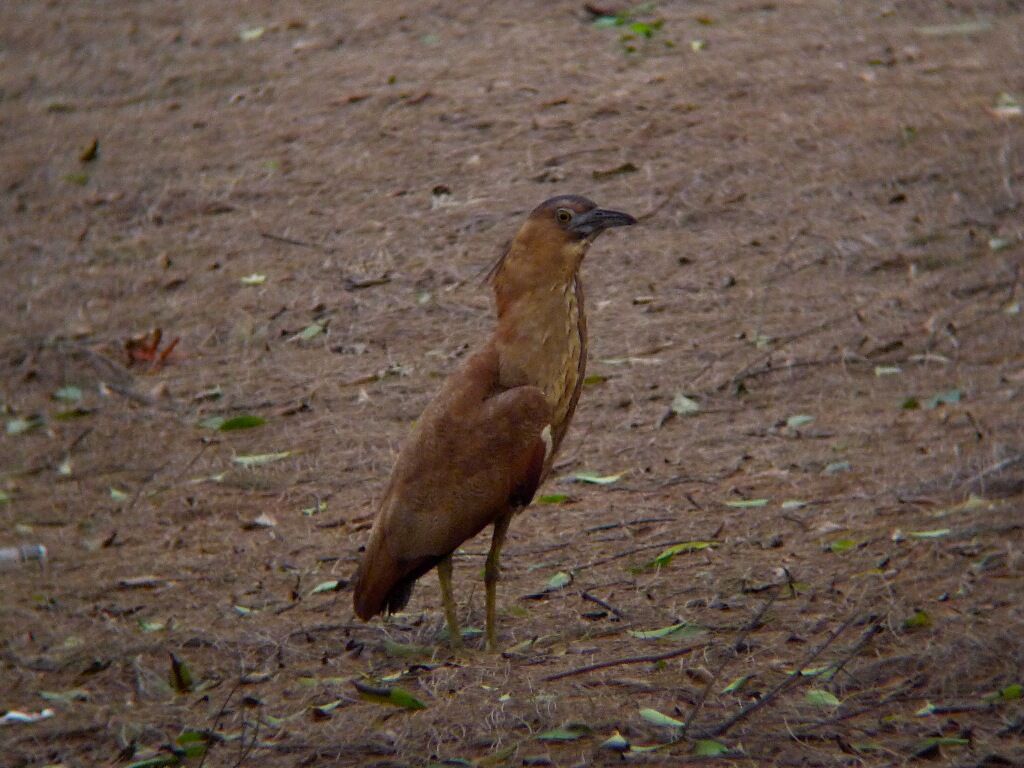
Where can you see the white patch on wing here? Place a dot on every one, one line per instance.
(545, 435)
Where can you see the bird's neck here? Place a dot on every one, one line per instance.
(541, 340)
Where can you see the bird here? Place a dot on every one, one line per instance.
(488, 439)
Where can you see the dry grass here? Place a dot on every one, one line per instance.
(819, 194)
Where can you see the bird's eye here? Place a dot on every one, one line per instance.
(564, 215)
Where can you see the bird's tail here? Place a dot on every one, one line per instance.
(384, 583)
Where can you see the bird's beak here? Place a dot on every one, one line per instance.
(595, 221)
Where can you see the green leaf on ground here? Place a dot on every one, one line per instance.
(393, 695)
(560, 580)
(676, 631)
(320, 506)
(215, 393)
(595, 479)
(553, 498)
(654, 717)
(920, 620)
(245, 421)
(259, 459)
(254, 279)
(949, 397)
(887, 370)
(837, 467)
(820, 698)
(736, 684)
(746, 503)
(314, 682)
(937, 533)
(684, 406)
(68, 394)
(249, 34)
(193, 742)
(825, 672)
(311, 331)
(667, 555)
(405, 650)
(616, 742)
(842, 545)
(180, 676)
(324, 710)
(567, 732)
(1012, 692)
(20, 426)
(65, 697)
(798, 420)
(709, 748)
(327, 586)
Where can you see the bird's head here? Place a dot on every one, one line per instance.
(552, 242)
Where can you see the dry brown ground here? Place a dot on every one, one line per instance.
(825, 190)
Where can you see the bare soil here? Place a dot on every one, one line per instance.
(831, 228)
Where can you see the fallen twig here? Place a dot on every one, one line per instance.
(217, 719)
(995, 469)
(627, 523)
(607, 606)
(741, 638)
(783, 686)
(749, 370)
(627, 553)
(768, 368)
(290, 241)
(649, 659)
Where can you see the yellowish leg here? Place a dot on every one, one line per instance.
(444, 575)
(492, 572)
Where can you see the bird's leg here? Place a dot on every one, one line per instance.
(444, 575)
(492, 572)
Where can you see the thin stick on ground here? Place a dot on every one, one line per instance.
(649, 659)
(217, 719)
(747, 628)
(290, 241)
(245, 750)
(995, 469)
(854, 652)
(782, 687)
(632, 551)
(607, 606)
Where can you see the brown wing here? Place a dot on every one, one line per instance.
(474, 453)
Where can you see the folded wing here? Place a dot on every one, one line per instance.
(476, 452)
